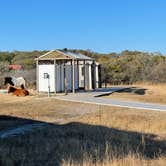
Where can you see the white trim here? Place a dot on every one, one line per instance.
(46, 54)
(67, 55)
(64, 54)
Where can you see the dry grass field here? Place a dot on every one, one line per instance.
(87, 135)
(143, 92)
(42, 108)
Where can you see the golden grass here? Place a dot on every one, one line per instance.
(50, 109)
(128, 119)
(125, 119)
(130, 160)
(153, 94)
(41, 108)
(102, 136)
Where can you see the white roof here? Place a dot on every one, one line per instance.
(77, 55)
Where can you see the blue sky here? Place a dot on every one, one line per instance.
(100, 25)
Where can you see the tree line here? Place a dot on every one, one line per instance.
(126, 67)
(129, 67)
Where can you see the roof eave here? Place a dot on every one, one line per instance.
(64, 59)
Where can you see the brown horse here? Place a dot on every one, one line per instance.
(18, 91)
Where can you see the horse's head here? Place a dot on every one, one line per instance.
(8, 80)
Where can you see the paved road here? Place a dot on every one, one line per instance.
(93, 98)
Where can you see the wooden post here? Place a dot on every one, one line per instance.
(88, 76)
(60, 71)
(93, 75)
(65, 81)
(55, 76)
(84, 77)
(37, 75)
(48, 86)
(78, 76)
(100, 81)
(73, 76)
